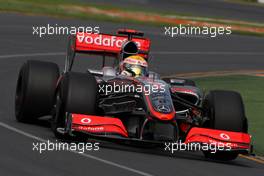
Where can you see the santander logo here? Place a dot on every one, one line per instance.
(102, 40)
(86, 120)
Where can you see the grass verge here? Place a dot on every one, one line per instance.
(252, 91)
(76, 9)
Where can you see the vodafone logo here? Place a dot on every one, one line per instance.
(91, 129)
(86, 120)
(100, 40)
(224, 136)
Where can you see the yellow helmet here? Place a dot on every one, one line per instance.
(135, 65)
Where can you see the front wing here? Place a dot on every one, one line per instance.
(111, 129)
(226, 139)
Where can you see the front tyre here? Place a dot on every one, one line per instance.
(225, 110)
(77, 93)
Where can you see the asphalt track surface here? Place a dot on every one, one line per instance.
(182, 54)
(201, 8)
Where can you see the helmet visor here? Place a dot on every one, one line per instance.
(136, 70)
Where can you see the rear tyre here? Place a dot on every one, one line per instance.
(225, 110)
(77, 94)
(35, 90)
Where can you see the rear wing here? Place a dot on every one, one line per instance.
(104, 44)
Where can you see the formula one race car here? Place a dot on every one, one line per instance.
(145, 108)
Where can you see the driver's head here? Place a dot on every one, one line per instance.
(134, 66)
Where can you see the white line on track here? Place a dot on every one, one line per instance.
(82, 154)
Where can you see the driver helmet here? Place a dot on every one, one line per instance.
(134, 66)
